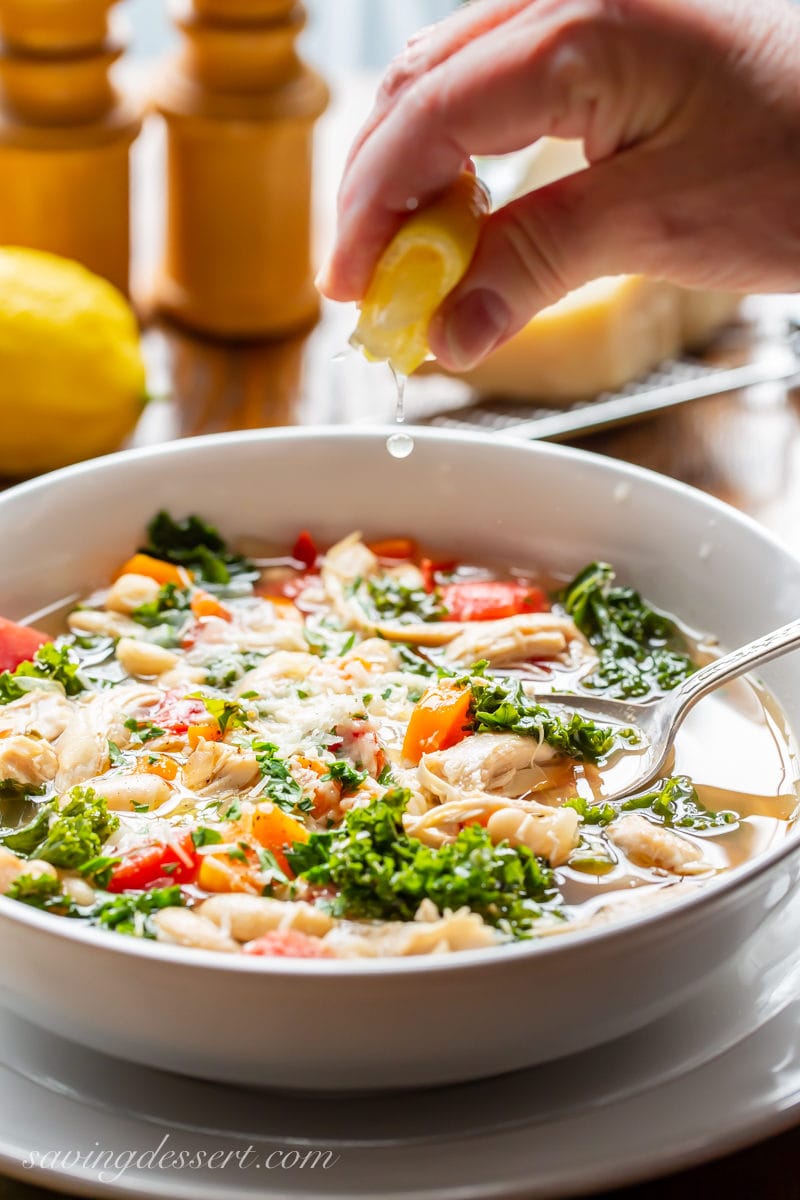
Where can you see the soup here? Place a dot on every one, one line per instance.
(350, 753)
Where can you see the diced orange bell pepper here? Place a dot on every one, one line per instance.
(219, 873)
(439, 720)
(206, 605)
(164, 766)
(155, 568)
(275, 829)
(210, 732)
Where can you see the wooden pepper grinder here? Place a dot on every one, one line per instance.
(240, 107)
(65, 134)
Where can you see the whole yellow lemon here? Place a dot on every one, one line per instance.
(72, 380)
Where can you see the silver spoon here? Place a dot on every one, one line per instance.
(658, 721)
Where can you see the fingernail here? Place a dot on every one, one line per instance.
(322, 279)
(473, 327)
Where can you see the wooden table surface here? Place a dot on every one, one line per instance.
(743, 448)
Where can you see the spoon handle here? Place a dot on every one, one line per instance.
(722, 670)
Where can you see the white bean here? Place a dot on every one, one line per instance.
(248, 917)
(550, 835)
(130, 592)
(128, 792)
(144, 659)
(181, 927)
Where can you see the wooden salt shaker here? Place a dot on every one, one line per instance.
(240, 108)
(65, 134)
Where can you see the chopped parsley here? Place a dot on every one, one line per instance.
(280, 786)
(271, 871)
(225, 671)
(641, 652)
(143, 731)
(345, 774)
(227, 713)
(381, 873)
(170, 607)
(203, 836)
(389, 599)
(115, 755)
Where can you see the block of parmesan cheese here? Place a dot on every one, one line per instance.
(604, 334)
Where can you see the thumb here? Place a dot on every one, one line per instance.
(532, 252)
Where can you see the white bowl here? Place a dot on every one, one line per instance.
(395, 1023)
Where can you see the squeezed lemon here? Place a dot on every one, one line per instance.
(422, 264)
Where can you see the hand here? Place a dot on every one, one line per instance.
(690, 115)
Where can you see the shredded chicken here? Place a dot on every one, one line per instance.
(27, 760)
(489, 762)
(651, 845)
(214, 767)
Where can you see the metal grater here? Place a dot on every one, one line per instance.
(674, 382)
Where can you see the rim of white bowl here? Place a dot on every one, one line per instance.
(459, 960)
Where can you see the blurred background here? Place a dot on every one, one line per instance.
(342, 34)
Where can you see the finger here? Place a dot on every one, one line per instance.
(428, 49)
(493, 96)
(533, 251)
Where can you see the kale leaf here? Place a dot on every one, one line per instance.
(130, 912)
(44, 892)
(592, 814)
(499, 704)
(67, 837)
(49, 662)
(25, 839)
(640, 651)
(381, 873)
(195, 544)
(676, 804)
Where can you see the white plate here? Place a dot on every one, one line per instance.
(717, 1073)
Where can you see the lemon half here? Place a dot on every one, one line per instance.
(72, 380)
(422, 264)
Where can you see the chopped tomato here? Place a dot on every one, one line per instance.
(430, 569)
(206, 605)
(287, 943)
(18, 643)
(305, 550)
(439, 721)
(176, 713)
(175, 862)
(489, 600)
(394, 548)
(155, 568)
